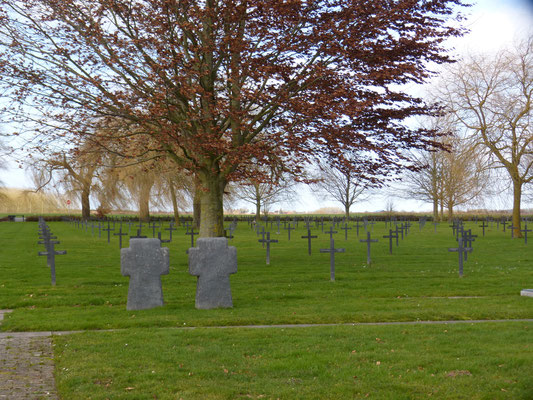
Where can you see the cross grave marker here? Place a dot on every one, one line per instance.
(212, 262)
(144, 262)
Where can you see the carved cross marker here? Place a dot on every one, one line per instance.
(368, 241)
(462, 251)
(212, 262)
(332, 250)
(144, 262)
(309, 237)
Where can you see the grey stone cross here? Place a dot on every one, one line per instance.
(525, 230)
(212, 262)
(144, 262)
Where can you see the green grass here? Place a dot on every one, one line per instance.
(487, 361)
(418, 282)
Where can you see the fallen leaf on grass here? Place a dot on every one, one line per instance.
(453, 374)
(129, 388)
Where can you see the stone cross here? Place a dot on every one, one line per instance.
(267, 241)
(309, 237)
(140, 228)
(368, 241)
(332, 250)
(144, 262)
(212, 262)
(462, 251)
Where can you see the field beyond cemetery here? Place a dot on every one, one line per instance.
(153, 354)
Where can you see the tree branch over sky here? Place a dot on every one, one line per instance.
(222, 85)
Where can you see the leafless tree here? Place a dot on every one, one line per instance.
(264, 194)
(447, 178)
(491, 95)
(341, 185)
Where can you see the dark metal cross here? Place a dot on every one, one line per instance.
(483, 226)
(120, 234)
(391, 236)
(138, 236)
(525, 230)
(346, 228)
(161, 240)
(108, 229)
(513, 228)
(332, 250)
(51, 253)
(504, 223)
(462, 251)
(309, 237)
(267, 241)
(331, 232)
(170, 229)
(289, 229)
(191, 234)
(357, 226)
(368, 241)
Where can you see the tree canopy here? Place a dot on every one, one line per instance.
(221, 85)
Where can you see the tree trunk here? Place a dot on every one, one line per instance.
(85, 204)
(347, 211)
(174, 202)
(435, 210)
(517, 197)
(144, 201)
(197, 205)
(450, 210)
(212, 218)
(258, 210)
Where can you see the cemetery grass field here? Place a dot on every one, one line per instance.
(147, 357)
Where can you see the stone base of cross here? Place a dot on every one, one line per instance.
(212, 261)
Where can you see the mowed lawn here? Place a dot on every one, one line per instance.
(152, 354)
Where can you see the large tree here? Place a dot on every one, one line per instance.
(491, 95)
(219, 85)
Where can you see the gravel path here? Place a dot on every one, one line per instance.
(26, 366)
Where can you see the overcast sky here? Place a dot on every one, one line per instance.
(493, 25)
